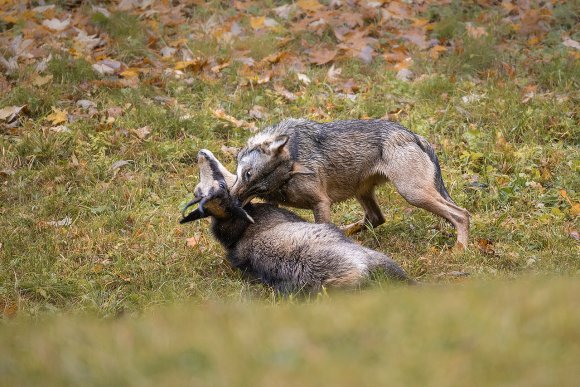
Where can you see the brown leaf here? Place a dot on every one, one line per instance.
(9, 113)
(436, 51)
(193, 241)
(222, 115)
(40, 80)
(143, 132)
(258, 112)
(285, 93)
(193, 65)
(485, 246)
(475, 32)
(322, 56)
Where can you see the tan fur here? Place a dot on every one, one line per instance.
(322, 164)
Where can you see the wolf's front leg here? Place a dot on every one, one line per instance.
(322, 211)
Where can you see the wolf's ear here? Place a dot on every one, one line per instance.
(299, 169)
(242, 214)
(194, 215)
(277, 145)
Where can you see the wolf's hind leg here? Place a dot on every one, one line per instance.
(428, 198)
(418, 180)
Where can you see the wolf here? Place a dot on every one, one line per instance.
(311, 165)
(276, 246)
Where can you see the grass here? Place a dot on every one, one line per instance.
(117, 277)
(480, 333)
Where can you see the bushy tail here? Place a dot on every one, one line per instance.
(390, 267)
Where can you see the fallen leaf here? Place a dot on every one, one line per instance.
(143, 132)
(58, 116)
(129, 73)
(485, 246)
(404, 75)
(56, 25)
(309, 5)
(475, 32)
(258, 112)
(85, 104)
(193, 65)
(114, 111)
(575, 210)
(574, 234)
(9, 113)
(571, 43)
(285, 93)
(193, 241)
(222, 115)
(366, 54)
(257, 22)
(436, 51)
(217, 68)
(303, 78)
(168, 52)
(40, 80)
(103, 69)
(322, 56)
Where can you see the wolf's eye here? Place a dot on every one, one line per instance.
(222, 185)
(247, 175)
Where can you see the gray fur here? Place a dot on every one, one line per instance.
(279, 248)
(312, 165)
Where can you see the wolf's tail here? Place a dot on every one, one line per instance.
(439, 184)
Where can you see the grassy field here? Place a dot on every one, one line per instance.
(96, 165)
(520, 333)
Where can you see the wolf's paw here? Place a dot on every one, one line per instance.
(353, 228)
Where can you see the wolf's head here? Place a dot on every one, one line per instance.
(264, 166)
(212, 192)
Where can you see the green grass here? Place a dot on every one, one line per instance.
(169, 312)
(483, 333)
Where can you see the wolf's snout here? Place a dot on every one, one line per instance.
(203, 154)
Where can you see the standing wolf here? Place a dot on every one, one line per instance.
(305, 164)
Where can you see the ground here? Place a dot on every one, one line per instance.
(103, 110)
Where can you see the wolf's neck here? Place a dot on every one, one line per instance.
(228, 231)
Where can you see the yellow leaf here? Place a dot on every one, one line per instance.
(57, 116)
(257, 22)
(130, 73)
(309, 5)
(575, 209)
(532, 41)
(194, 65)
(436, 51)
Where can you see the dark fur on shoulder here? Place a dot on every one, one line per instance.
(278, 247)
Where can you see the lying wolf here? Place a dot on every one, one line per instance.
(312, 165)
(275, 245)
